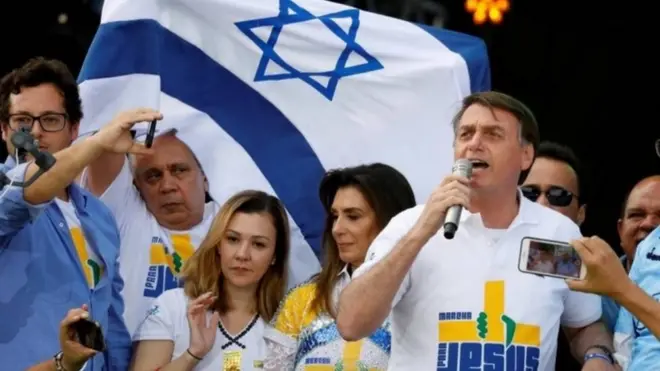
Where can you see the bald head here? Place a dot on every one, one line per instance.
(171, 183)
(640, 214)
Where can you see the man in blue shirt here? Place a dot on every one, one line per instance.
(637, 336)
(637, 330)
(59, 245)
(639, 216)
(635, 341)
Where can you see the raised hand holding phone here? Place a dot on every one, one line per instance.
(605, 273)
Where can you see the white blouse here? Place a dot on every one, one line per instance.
(167, 320)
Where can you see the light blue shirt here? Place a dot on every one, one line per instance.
(645, 272)
(41, 278)
(611, 307)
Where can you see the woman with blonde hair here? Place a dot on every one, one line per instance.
(232, 285)
(359, 202)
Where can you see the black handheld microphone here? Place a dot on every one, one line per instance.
(26, 143)
(462, 167)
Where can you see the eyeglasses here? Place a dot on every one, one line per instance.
(50, 122)
(556, 196)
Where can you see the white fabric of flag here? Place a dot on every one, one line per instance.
(269, 94)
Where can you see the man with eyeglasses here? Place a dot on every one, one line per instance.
(59, 245)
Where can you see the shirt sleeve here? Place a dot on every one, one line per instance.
(121, 197)
(15, 212)
(159, 322)
(580, 309)
(388, 238)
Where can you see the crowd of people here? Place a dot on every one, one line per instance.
(127, 237)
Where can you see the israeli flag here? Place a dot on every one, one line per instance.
(270, 94)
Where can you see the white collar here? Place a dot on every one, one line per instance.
(526, 214)
(344, 272)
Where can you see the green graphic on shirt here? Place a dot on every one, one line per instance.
(96, 271)
(482, 325)
(178, 262)
(509, 325)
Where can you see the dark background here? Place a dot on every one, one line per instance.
(587, 73)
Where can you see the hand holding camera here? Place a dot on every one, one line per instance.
(80, 339)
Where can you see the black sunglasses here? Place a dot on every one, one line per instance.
(556, 196)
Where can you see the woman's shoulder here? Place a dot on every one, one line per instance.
(296, 302)
(306, 289)
(173, 298)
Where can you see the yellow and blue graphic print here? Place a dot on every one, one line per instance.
(165, 266)
(489, 341)
(92, 269)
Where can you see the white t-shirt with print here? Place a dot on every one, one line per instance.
(464, 305)
(150, 256)
(167, 320)
(90, 262)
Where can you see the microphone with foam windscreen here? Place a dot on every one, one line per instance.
(462, 167)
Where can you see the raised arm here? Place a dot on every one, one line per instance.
(156, 335)
(19, 206)
(102, 172)
(641, 306)
(606, 276)
(114, 138)
(380, 283)
(383, 279)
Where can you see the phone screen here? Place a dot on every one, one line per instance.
(551, 258)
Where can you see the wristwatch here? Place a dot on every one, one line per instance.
(58, 361)
(607, 354)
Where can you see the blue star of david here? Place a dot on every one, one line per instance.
(291, 13)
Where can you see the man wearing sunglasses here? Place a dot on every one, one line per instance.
(555, 180)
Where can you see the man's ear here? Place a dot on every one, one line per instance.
(5, 131)
(582, 214)
(527, 157)
(75, 128)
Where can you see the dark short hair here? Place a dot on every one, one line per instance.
(388, 193)
(562, 153)
(38, 71)
(529, 128)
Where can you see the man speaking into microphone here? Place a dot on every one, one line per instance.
(450, 280)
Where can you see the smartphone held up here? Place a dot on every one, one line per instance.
(89, 334)
(550, 258)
